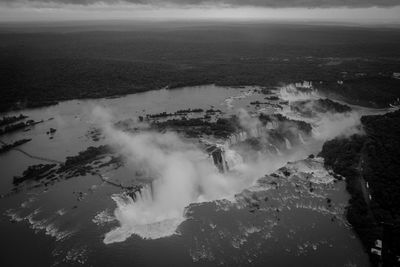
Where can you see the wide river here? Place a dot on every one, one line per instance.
(65, 223)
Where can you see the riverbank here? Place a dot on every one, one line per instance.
(371, 164)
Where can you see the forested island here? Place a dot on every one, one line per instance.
(11, 119)
(7, 147)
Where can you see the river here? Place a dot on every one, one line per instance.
(290, 220)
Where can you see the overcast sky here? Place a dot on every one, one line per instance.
(357, 11)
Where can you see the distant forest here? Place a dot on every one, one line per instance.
(45, 66)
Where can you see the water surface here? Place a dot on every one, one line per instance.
(65, 223)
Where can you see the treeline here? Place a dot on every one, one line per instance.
(83, 157)
(195, 127)
(9, 128)
(85, 162)
(14, 127)
(8, 147)
(36, 172)
(375, 90)
(11, 119)
(178, 112)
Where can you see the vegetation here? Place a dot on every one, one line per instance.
(177, 113)
(311, 107)
(13, 127)
(9, 128)
(326, 104)
(43, 68)
(299, 125)
(86, 156)
(375, 158)
(8, 147)
(370, 90)
(85, 162)
(35, 172)
(195, 127)
(11, 119)
(213, 111)
(272, 98)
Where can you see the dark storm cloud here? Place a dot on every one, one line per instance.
(234, 3)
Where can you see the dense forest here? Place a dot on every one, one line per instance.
(371, 165)
(45, 66)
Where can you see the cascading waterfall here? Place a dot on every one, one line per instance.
(145, 194)
(224, 164)
(242, 136)
(232, 158)
(219, 159)
(301, 139)
(225, 158)
(277, 150)
(288, 144)
(291, 93)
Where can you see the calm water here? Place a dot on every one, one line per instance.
(54, 226)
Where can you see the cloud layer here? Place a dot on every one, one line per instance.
(229, 3)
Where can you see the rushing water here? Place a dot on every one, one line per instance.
(284, 222)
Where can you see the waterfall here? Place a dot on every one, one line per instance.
(225, 158)
(271, 125)
(145, 194)
(232, 158)
(277, 150)
(235, 138)
(224, 164)
(301, 139)
(219, 159)
(288, 144)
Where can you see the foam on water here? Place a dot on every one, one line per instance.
(103, 217)
(39, 225)
(146, 226)
(230, 100)
(291, 93)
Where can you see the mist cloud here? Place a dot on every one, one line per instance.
(179, 173)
